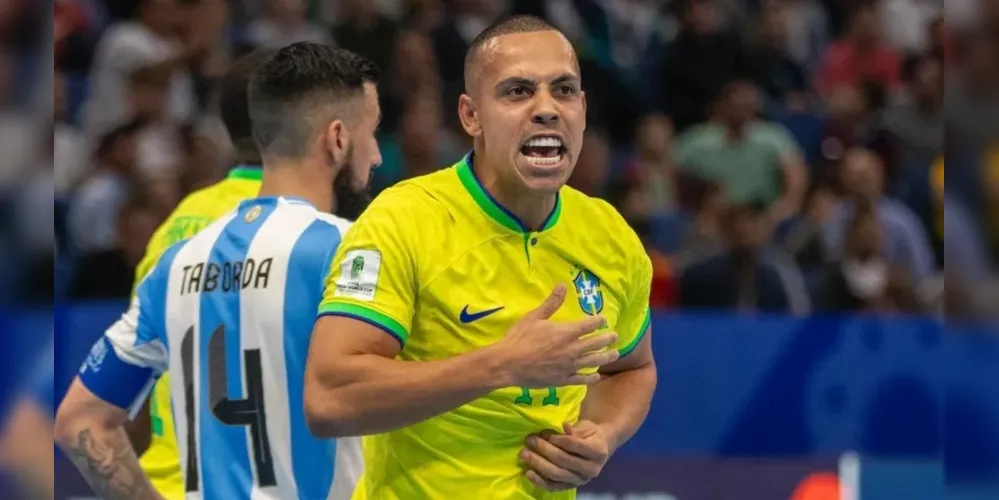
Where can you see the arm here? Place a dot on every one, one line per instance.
(140, 430)
(89, 430)
(619, 403)
(25, 449)
(795, 179)
(353, 386)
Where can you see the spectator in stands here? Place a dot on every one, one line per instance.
(748, 276)
(807, 30)
(906, 23)
(863, 280)
(147, 39)
(17, 134)
(801, 236)
(705, 234)
(905, 241)
(593, 164)
(284, 24)
(860, 56)
(363, 28)
(109, 273)
(916, 120)
(652, 168)
(698, 63)
(69, 147)
(94, 210)
(852, 122)
(781, 78)
(753, 160)
(160, 149)
(972, 102)
(465, 20)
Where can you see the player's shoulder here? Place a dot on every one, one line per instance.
(599, 223)
(424, 199)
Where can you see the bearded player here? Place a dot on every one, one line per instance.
(430, 337)
(161, 461)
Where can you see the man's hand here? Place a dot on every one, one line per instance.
(538, 352)
(564, 461)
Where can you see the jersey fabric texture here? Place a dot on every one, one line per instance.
(438, 264)
(200, 208)
(230, 313)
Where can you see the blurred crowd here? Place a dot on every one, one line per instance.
(775, 155)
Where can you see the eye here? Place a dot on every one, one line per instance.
(566, 89)
(518, 91)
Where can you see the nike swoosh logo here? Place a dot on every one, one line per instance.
(467, 317)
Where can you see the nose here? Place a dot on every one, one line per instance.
(545, 112)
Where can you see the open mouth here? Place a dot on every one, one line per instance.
(543, 150)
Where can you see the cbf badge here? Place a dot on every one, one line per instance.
(591, 299)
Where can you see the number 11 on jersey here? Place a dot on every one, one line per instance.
(525, 397)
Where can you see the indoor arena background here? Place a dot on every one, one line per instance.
(848, 369)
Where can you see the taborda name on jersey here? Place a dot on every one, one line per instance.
(359, 274)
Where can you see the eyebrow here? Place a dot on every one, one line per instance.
(527, 82)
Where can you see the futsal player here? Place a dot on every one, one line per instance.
(230, 310)
(154, 422)
(430, 337)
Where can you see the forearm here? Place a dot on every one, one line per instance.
(620, 402)
(105, 458)
(369, 394)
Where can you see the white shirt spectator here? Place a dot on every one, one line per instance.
(266, 33)
(93, 215)
(126, 47)
(906, 23)
(70, 153)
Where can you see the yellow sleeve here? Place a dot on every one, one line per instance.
(173, 230)
(633, 322)
(373, 276)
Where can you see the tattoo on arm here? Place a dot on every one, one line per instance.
(108, 463)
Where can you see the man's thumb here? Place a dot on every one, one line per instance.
(551, 304)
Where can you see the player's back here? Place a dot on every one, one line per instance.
(240, 301)
(195, 211)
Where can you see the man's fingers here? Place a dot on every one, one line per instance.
(582, 379)
(573, 463)
(549, 306)
(549, 485)
(586, 325)
(596, 342)
(577, 446)
(597, 359)
(548, 470)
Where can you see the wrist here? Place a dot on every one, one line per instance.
(495, 366)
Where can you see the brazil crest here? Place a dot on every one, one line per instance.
(591, 299)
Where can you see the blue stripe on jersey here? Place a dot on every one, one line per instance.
(312, 459)
(224, 449)
(151, 295)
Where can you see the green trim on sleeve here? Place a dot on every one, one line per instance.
(367, 315)
(626, 350)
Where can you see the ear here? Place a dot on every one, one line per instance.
(469, 116)
(582, 96)
(337, 140)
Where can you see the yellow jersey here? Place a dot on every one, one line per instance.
(161, 461)
(443, 268)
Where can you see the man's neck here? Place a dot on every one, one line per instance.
(531, 208)
(293, 179)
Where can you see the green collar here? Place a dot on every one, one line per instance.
(246, 172)
(492, 208)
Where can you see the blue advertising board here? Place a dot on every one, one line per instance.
(742, 398)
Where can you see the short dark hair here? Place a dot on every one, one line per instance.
(302, 80)
(233, 106)
(504, 26)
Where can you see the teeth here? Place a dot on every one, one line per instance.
(545, 142)
(540, 161)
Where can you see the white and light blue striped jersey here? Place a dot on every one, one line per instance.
(230, 314)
